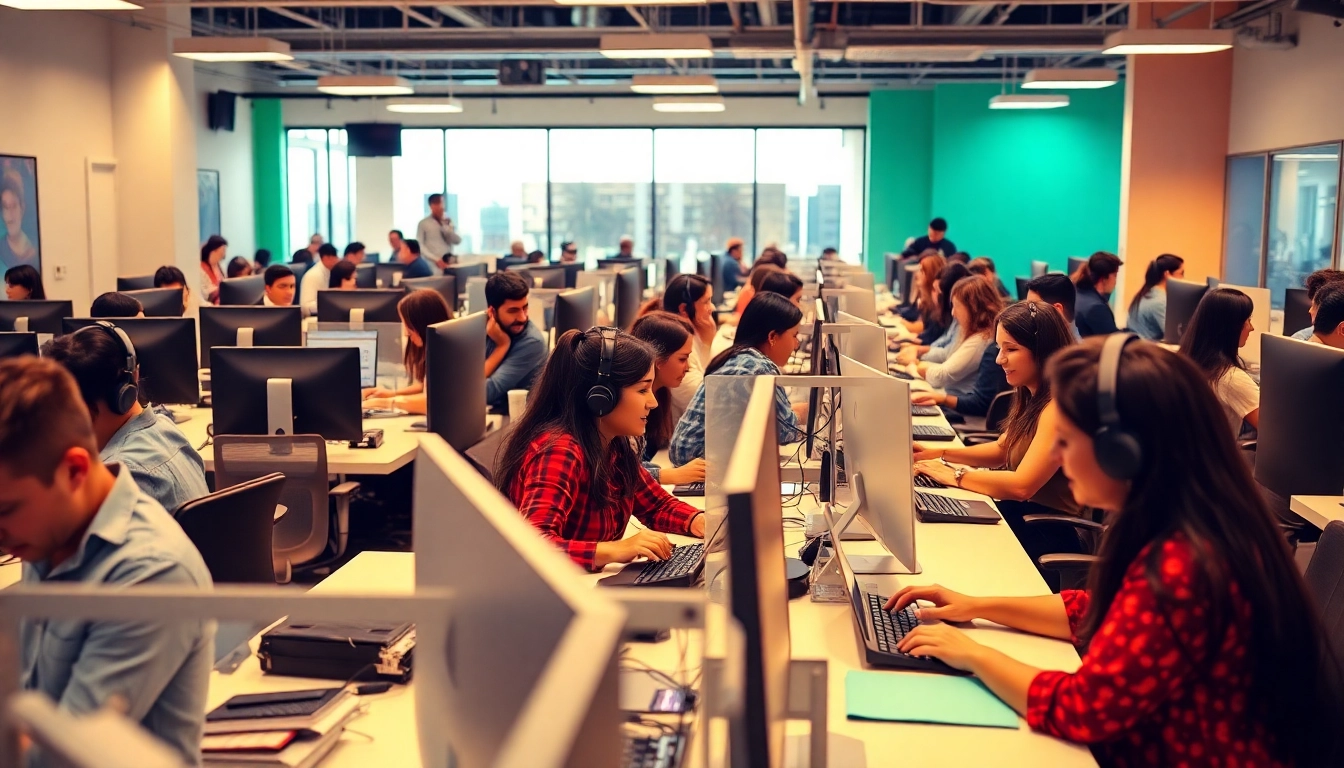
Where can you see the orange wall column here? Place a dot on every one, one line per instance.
(1177, 113)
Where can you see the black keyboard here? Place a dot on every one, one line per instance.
(689, 489)
(663, 751)
(891, 626)
(683, 563)
(931, 432)
(925, 410)
(900, 373)
(941, 505)
(924, 481)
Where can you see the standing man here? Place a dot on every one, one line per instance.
(354, 253)
(436, 234)
(74, 520)
(734, 272)
(936, 240)
(569, 253)
(317, 277)
(626, 250)
(395, 239)
(280, 286)
(515, 350)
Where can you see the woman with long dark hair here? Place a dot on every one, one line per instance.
(975, 307)
(692, 297)
(766, 337)
(1200, 643)
(342, 276)
(573, 471)
(418, 310)
(940, 345)
(212, 253)
(1148, 308)
(672, 339)
(931, 266)
(24, 283)
(1219, 328)
(238, 267)
(1095, 280)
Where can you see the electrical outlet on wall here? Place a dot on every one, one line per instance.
(60, 272)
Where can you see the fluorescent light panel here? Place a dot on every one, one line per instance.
(364, 85)
(232, 49)
(1167, 41)
(689, 104)
(657, 46)
(674, 84)
(916, 53)
(426, 107)
(1029, 101)
(626, 2)
(1070, 79)
(1304, 157)
(71, 5)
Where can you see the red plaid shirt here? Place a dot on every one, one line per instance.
(551, 491)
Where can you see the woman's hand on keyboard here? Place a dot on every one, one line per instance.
(947, 605)
(692, 472)
(938, 471)
(924, 453)
(645, 543)
(943, 642)
(377, 392)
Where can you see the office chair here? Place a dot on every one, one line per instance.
(1325, 582)
(995, 417)
(482, 454)
(306, 531)
(232, 528)
(1072, 567)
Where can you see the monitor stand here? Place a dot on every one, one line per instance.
(357, 319)
(244, 337)
(279, 406)
(21, 325)
(867, 564)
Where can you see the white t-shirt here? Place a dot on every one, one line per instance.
(1239, 394)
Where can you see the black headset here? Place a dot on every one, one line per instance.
(601, 397)
(124, 391)
(1118, 450)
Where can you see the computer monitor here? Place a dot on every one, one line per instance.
(464, 271)
(1022, 287)
(575, 310)
(159, 302)
(364, 341)
(671, 269)
(165, 348)
(249, 327)
(242, 291)
(603, 281)
(1075, 263)
(376, 306)
(758, 584)
(287, 390)
(619, 262)
(908, 283)
(17, 344)
(572, 273)
(455, 380)
(366, 275)
(1039, 268)
(34, 316)
(1296, 310)
(860, 302)
(1300, 452)
(388, 275)
(476, 294)
(864, 280)
(134, 283)
(716, 277)
(444, 285)
(1182, 299)
(629, 296)
(494, 557)
(552, 276)
(892, 274)
(299, 268)
(863, 341)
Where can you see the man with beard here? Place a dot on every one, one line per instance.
(515, 350)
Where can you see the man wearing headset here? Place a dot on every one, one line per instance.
(74, 520)
(147, 442)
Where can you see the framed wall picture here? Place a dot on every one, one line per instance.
(20, 231)
(207, 200)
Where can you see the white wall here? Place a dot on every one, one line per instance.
(230, 153)
(1293, 97)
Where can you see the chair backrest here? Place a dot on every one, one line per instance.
(232, 529)
(482, 454)
(999, 407)
(301, 535)
(1325, 582)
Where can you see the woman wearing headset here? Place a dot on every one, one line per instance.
(570, 465)
(1200, 643)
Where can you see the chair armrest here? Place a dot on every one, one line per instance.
(1247, 445)
(978, 438)
(344, 489)
(1061, 562)
(1076, 522)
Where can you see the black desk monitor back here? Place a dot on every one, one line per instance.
(509, 262)
(242, 291)
(379, 305)
(1182, 300)
(17, 344)
(323, 391)
(165, 348)
(1039, 268)
(628, 297)
(159, 302)
(575, 310)
(387, 275)
(1022, 288)
(42, 316)
(1296, 311)
(270, 327)
(454, 383)
(672, 269)
(1075, 263)
(1300, 452)
(366, 275)
(464, 271)
(134, 283)
(299, 268)
(444, 285)
(552, 276)
(572, 271)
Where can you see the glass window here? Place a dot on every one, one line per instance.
(496, 190)
(704, 184)
(342, 172)
(809, 193)
(416, 175)
(1303, 199)
(601, 190)
(1243, 233)
(309, 194)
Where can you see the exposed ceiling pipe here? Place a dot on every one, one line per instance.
(1108, 14)
(420, 17)
(802, 50)
(461, 15)
(1180, 14)
(1005, 13)
(299, 17)
(1249, 13)
(766, 10)
(735, 13)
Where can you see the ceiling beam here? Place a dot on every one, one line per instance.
(462, 16)
(766, 8)
(638, 17)
(299, 17)
(735, 13)
(420, 17)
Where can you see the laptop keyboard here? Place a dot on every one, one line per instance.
(942, 505)
(663, 751)
(890, 626)
(925, 410)
(932, 432)
(924, 481)
(683, 561)
(689, 489)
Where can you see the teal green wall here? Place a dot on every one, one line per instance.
(1015, 185)
(899, 174)
(269, 174)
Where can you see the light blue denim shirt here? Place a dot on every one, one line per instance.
(162, 670)
(520, 367)
(163, 463)
(943, 346)
(688, 440)
(1148, 317)
(1305, 334)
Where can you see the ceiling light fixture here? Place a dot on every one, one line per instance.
(1305, 157)
(674, 85)
(627, 2)
(364, 85)
(1029, 101)
(689, 104)
(913, 53)
(1167, 41)
(71, 5)
(656, 46)
(1070, 79)
(232, 49)
(427, 106)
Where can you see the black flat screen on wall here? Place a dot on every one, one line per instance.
(373, 139)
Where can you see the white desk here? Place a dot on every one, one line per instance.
(1318, 510)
